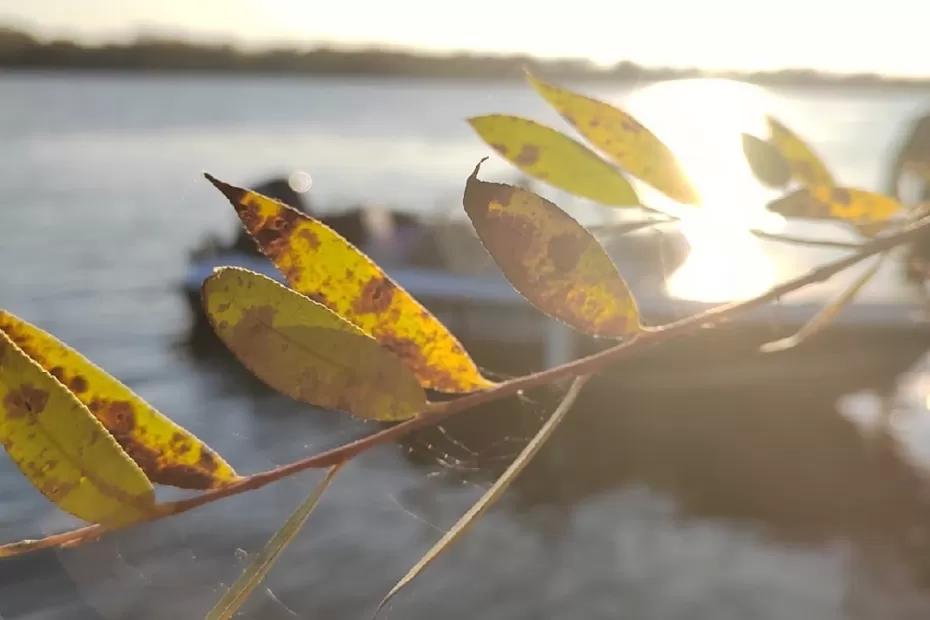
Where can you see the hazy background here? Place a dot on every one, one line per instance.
(708, 502)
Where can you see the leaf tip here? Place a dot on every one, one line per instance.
(474, 174)
(233, 194)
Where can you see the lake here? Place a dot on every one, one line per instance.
(770, 506)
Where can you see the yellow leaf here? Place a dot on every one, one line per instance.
(555, 158)
(855, 206)
(766, 162)
(829, 312)
(805, 166)
(622, 138)
(551, 259)
(301, 348)
(319, 263)
(64, 450)
(166, 452)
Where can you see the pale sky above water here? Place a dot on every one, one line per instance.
(831, 35)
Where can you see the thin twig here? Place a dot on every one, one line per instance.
(491, 495)
(436, 412)
(818, 243)
(259, 568)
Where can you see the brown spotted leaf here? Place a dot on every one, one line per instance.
(622, 138)
(62, 449)
(766, 162)
(322, 265)
(551, 259)
(854, 206)
(301, 348)
(555, 158)
(166, 452)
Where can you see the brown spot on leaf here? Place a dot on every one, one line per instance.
(26, 401)
(249, 215)
(840, 195)
(274, 235)
(118, 415)
(527, 156)
(310, 237)
(500, 148)
(565, 250)
(207, 461)
(375, 297)
(78, 384)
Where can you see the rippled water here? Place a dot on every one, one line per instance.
(756, 505)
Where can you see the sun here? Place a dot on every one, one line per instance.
(701, 121)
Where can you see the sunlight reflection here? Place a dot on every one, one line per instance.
(701, 121)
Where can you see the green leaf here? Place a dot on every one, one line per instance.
(829, 312)
(258, 569)
(166, 452)
(62, 449)
(492, 494)
(551, 259)
(322, 265)
(622, 138)
(766, 162)
(301, 348)
(555, 158)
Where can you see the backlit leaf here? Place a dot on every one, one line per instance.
(829, 312)
(855, 206)
(302, 349)
(766, 162)
(622, 138)
(64, 450)
(321, 264)
(258, 569)
(493, 494)
(166, 452)
(555, 158)
(551, 259)
(805, 166)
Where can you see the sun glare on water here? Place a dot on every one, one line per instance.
(701, 121)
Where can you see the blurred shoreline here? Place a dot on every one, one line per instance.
(22, 51)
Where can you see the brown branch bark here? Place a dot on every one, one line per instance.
(436, 412)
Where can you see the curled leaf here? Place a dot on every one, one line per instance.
(301, 348)
(551, 259)
(555, 158)
(805, 166)
(258, 569)
(766, 162)
(492, 494)
(622, 138)
(62, 449)
(321, 264)
(166, 452)
(829, 312)
(855, 206)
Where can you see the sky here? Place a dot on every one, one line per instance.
(844, 36)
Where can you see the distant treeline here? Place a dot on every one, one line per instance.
(21, 50)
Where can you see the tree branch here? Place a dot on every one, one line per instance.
(436, 412)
